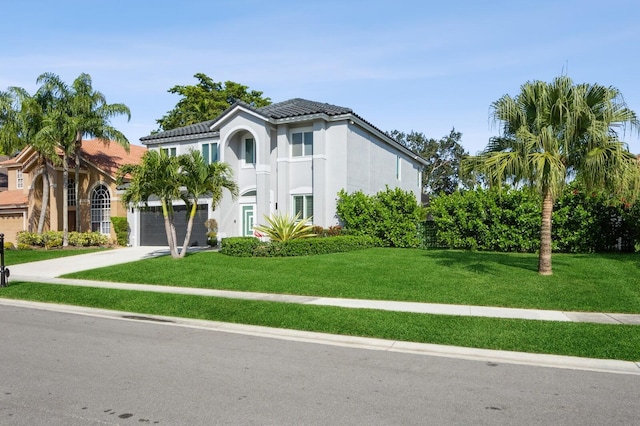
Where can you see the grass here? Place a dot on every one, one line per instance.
(576, 339)
(14, 257)
(592, 283)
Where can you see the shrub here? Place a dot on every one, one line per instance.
(282, 227)
(30, 238)
(53, 239)
(8, 245)
(252, 247)
(212, 238)
(391, 216)
(121, 228)
(239, 246)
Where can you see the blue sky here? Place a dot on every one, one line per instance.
(406, 65)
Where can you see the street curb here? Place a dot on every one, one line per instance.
(427, 349)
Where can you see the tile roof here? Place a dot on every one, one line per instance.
(299, 107)
(110, 157)
(292, 108)
(193, 129)
(13, 199)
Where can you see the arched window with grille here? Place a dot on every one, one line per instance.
(101, 210)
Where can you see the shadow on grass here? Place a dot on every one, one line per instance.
(484, 262)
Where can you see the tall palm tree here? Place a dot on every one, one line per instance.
(201, 179)
(157, 175)
(24, 121)
(85, 112)
(93, 117)
(553, 132)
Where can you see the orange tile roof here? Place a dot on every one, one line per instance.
(110, 157)
(13, 199)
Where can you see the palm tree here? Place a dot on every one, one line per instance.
(201, 179)
(24, 120)
(553, 132)
(93, 117)
(85, 112)
(156, 175)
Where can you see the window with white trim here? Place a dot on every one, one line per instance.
(19, 179)
(301, 144)
(101, 210)
(171, 152)
(71, 192)
(210, 152)
(249, 151)
(303, 205)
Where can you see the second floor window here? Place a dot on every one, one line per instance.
(171, 152)
(302, 144)
(19, 179)
(249, 151)
(210, 152)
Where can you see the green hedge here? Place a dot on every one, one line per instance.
(252, 247)
(391, 216)
(53, 239)
(509, 221)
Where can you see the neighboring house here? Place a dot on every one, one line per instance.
(97, 201)
(292, 157)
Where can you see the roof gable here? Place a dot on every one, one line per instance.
(110, 157)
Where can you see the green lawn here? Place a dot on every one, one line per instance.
(576, 339)
(13, 257)
(601, 283)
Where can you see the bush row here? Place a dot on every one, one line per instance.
(252, 247)
(510, 221)
(52, 239)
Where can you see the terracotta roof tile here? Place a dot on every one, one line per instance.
(13, 199)
(111, 156)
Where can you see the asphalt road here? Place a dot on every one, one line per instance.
(67, 369)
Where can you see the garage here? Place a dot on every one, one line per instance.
(10, 225)
(152, 232)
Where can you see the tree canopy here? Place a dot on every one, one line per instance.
(206, 100)
(444, 155)
(552, 132)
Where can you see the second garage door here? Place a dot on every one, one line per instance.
(152, 232)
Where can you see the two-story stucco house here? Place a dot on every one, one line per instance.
(292, 157)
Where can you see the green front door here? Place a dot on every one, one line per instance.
(247, 221)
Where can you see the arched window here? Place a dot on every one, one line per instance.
(101, 210)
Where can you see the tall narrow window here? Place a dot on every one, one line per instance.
(303, 206)
(19, 179)
(101, 210)
(398, 163)
(210, 152)
(71, 192)
(301, 144)
(249, 151)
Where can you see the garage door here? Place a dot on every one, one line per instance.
(10, 225)
(152, 231)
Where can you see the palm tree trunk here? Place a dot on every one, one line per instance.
(78, 148)
(170, 230)
(65, 200)
(45, 199)
(544, 260)
(194, 208)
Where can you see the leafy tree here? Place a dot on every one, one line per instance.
(206, 100)
(443, 173)
(551, 132)
(186, 178)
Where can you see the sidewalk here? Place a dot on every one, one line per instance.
(48, 271)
